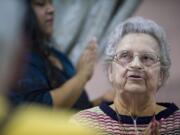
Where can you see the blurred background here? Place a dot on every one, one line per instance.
(83, 19)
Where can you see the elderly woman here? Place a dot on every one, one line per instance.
(138, 66)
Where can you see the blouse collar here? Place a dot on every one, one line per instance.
(170, 109)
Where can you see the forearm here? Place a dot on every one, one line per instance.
(69, 92)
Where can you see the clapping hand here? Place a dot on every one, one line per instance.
(86, 63)
(153, 128)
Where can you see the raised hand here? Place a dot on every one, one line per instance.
(153, 128)
(87, 60)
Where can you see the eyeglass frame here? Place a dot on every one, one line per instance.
(115, 58)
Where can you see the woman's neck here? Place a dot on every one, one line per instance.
(136, 105)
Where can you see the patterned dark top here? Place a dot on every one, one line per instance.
(104, 119)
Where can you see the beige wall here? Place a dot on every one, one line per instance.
(167, 14)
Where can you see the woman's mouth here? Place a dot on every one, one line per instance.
(136, 77)
(49, 21)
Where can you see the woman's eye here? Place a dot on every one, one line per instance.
(125, 55)
(39, 2)
(148, 58)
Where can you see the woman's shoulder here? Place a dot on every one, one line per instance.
(94, 118)
(32, 76)
(170, 109)
(88, 115)
(170, 122)
(33, 59)
(175, 115)
(95, 111)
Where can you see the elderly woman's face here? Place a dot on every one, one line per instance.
(136, 66)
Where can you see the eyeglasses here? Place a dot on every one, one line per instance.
(146, 58)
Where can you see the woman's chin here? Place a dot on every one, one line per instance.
(133, 88)
(48, 32)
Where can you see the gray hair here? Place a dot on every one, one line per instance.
(141, 25)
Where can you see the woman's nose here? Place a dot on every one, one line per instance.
(50, 8)
(136, 63)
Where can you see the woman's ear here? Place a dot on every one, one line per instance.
(161, 79)
(110, 73)
(159, 83)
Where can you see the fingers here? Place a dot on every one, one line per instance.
(153, 128)
(91, 50)
(92, 44)
(88, 59)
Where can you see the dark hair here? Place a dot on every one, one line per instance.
(33, 32)
(40, 43)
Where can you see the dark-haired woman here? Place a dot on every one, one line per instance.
(49, 78)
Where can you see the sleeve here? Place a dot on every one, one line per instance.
(31, 87)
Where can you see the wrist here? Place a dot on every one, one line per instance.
(81, 77)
